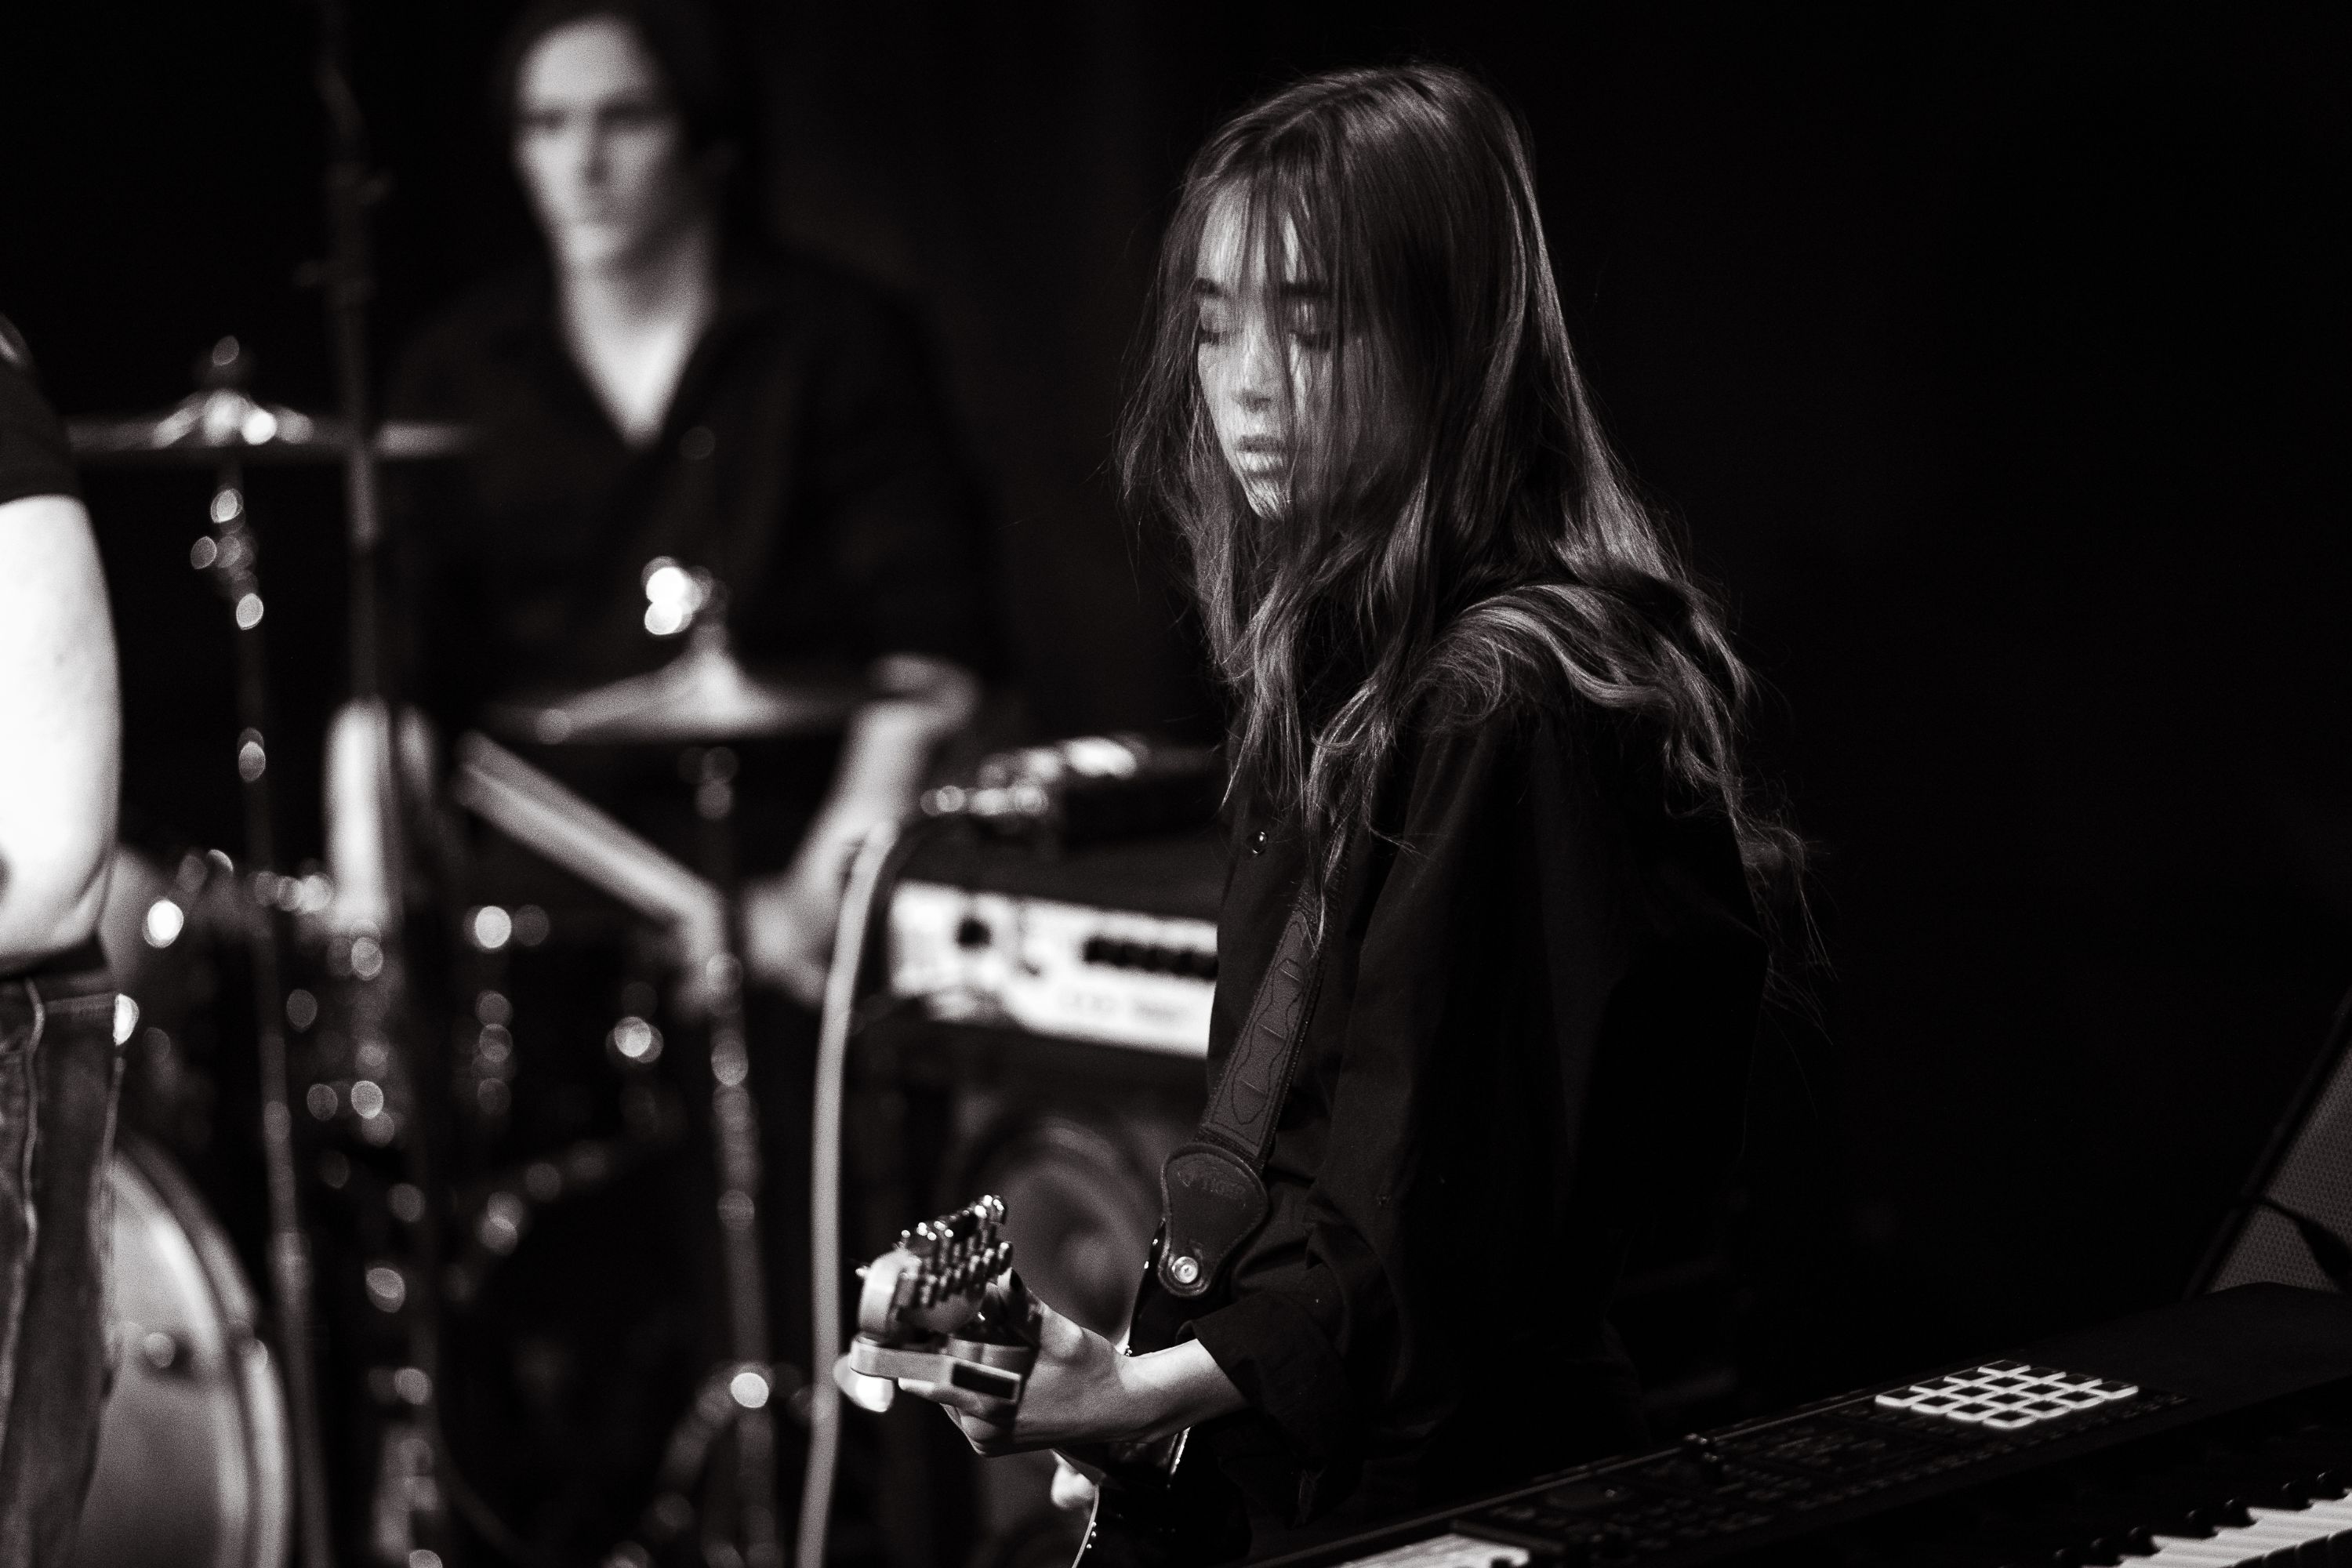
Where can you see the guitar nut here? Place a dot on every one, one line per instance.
(1184, 1270)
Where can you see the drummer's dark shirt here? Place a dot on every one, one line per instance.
(1529, 1031)
(805, 460)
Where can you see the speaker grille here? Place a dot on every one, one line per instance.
(1079, 1210)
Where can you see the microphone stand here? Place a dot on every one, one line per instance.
(407, 1518)
(230, 555)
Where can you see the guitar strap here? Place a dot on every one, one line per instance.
(1212, 1190)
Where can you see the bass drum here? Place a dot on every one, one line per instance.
(192, 1453)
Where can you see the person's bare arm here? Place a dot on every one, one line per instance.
(789, 918)
(60, 729)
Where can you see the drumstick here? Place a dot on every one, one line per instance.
(541, 815)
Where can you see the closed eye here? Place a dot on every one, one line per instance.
(1214, 324)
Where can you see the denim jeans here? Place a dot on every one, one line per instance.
(59, 1069)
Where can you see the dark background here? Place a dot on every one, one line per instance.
(1994, 363)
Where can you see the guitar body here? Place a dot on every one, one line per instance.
(1158, 1511)
(1160, 1505)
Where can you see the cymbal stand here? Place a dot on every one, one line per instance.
(407, 1518)
(229, 554)
(736, 1137)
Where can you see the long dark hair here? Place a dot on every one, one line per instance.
(1458, 522)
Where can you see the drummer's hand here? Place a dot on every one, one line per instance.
(1084, 1391)
(788, 925)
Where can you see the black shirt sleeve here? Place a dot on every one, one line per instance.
(1328, 1337)
(34, 457)
(1537, 1002)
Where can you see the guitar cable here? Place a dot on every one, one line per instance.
(1108, 786)
(881, 854)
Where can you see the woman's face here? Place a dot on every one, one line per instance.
(1263, 349)
(602, 150)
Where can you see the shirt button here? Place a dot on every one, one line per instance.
(697, 444)
(1257, 842)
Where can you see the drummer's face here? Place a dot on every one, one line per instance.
(602, 150)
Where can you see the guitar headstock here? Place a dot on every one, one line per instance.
(932, 1282)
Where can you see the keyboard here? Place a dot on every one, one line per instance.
(2217, 1431)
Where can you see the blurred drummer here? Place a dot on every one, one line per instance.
(664, 389)
(659, 396)
(60, 723)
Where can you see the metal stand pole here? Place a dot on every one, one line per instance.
(229, 554)
(735, 1126)
(413, 1456)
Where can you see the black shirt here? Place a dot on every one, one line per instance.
(804, 460)
(1535, 1000)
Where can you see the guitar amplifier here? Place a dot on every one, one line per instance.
(1113, 945)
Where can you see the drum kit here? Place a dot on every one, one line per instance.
(212, 1448)
(332, 1051)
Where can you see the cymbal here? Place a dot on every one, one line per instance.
(221, 424)
(703, 696)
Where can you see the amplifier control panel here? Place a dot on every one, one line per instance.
(1113, 977)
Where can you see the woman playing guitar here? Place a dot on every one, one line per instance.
(1491, 949)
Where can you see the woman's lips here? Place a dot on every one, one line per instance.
(1262, 451)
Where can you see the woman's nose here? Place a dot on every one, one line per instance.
(1259, 380)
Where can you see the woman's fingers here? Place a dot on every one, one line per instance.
(867, 1393)
(986, 1424)
(963, 1401)
(1073, 1487)
(940, 1393)
(987, 1439)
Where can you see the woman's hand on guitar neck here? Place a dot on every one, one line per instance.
(1084, 1391)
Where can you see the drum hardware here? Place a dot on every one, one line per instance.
(697, 702)
(363, 1083)
(198, 429)
(192, 1464)
(701, 910)
(229, 554)
(540, 813)
(483, 1074)
(702, 696)
(751, 1385)
(537, 811)
(496, 1214)
(357, 1086)
(362, 1075)
(408, 1526)
(672, 1512)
